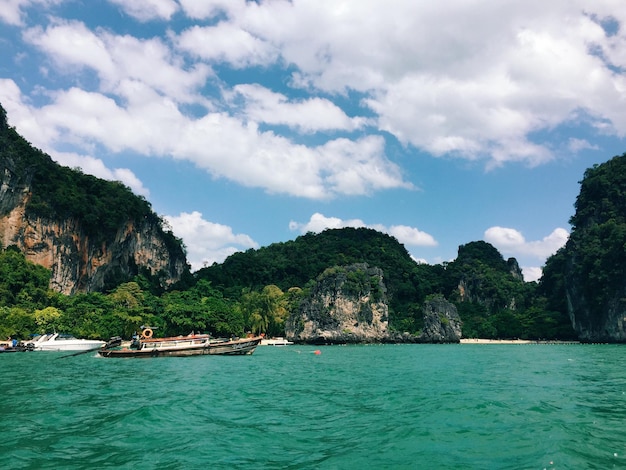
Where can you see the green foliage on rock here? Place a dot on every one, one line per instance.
(255, 290)
(598, 236)
(590, 271)
(22, 284)
(60, 193)
(494, 304)
(491, 297)
(296, 263)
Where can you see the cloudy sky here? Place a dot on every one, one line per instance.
(246, 123)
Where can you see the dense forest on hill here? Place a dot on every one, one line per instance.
(59, 192)
(257, 290)
(496, 302)
(297, 263)
(590, 270)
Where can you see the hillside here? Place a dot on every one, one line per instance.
(297, 263)
(91, 233)
(94, 236)
(489, 292)
(587, 277)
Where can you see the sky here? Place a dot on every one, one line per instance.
(247, 123)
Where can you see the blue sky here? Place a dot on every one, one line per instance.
(249, 123)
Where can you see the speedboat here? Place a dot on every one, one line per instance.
(63, 342)
(277, 341)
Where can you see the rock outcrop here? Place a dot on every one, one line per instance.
(514, 269)
(347, 305)
(442, 323)
(597, 316)
(592, 265)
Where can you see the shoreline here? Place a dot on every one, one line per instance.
(513, 341)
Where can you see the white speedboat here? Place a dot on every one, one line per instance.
(61, 342)
(277, 341)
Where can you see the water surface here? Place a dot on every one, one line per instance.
(350, 407)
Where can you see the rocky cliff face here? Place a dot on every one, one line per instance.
(592, 265)
(442, 323)
(77, 263)
(347, 305)
(514, 269)
(604, 322)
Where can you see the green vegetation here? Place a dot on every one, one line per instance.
(29, 307)
(257, 290)
(59, 193)
(591, 268)
(98, 208)
(494, 303)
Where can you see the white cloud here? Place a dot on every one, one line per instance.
(227, 43)
(406, 235)
(208, 9)
(119, 60)
(473, 78)
(207, 242)
(511, 241)
(311, 115)
(468, 78)
(531, 273)
(319, 222)
(411, 236)
(576, 145)
(146, 10)
(34, 124)
(221, 144)
(13, 11)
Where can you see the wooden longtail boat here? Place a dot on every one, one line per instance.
(176, 346)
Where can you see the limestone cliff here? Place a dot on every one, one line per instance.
(485, 278)
(347, 305)
(590, 271)
(442, 323)
(85, 251)
(77, 265)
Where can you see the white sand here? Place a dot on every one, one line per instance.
(510, 341)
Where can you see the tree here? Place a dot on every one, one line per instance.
(15, 322)
(47, 319)
(266, 311)
(22, 282)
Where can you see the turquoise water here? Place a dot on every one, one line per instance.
(350, 407)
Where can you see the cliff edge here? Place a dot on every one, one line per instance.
(90, 233)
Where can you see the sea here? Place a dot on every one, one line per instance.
(455, 406)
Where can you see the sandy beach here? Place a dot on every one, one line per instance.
(511, 341)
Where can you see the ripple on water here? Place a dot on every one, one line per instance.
(404, 406)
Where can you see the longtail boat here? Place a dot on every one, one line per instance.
(191, 345)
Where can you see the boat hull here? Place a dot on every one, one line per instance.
(183, 348)
(279, 341)
(57, 342)
(70, 347)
